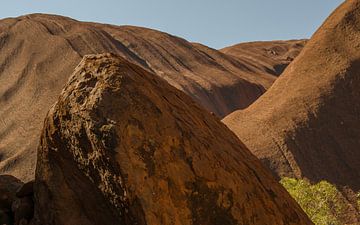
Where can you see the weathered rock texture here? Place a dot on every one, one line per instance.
(121, 146)
(38, 52)
(308, 123)
(270, 57)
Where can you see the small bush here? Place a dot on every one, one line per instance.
(321, 201)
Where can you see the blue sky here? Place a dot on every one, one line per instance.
(216, 23)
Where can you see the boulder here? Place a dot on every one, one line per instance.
(122, 146)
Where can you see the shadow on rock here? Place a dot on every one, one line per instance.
(16, 201)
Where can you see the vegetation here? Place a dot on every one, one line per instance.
(321, 202)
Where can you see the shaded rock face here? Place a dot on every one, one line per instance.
(8, 188)
(121, 146)
(16, 201)
(308, 123)
(39, 52)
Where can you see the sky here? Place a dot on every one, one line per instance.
(215, 23)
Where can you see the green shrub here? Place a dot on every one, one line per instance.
(322, 202)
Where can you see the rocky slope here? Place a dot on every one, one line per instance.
(121, 146)
(219, 82)
(308, 123)
(38, 52)
(268, 56)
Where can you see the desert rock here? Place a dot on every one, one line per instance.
(270, 57)
(38, 52)
(307, 124)
(122, 146)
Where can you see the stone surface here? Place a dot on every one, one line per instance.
(121, 146)
(23, 210)
(39, 52)
(308, 123)
(268, 56)
(8, 187)
(5, 218)
(26, 190)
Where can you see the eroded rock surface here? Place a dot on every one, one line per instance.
(121, 146)
(308, 123)
(39, 52)
(270, 57)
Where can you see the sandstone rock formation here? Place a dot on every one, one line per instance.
(219, 82)
(121, 146)
(38, 52)
(308, 123)
(268, 56)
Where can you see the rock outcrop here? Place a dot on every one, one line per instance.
(308, 123)
(270, 57)
(121, 146)
(38, 52)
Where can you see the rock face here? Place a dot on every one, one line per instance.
(121, 146)
(23, 206)
(38, 52)
(219, 82)
(308, 123)
(268, 56)
(8, 188)
(16, 201)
